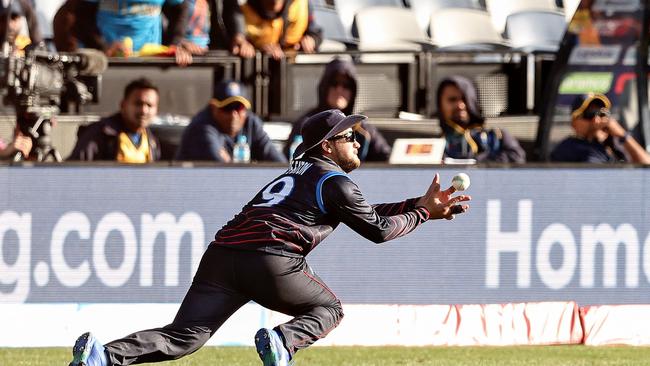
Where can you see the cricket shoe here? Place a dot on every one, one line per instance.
(270, 348)
(87, 351)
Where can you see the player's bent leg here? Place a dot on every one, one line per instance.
(87, 351)
(160, 344)
(290, 286)
(206, 306)
(305, 329)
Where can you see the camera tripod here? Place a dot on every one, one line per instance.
(38, 125)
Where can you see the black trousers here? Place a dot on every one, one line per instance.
(226, 280)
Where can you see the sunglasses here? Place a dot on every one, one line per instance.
(233, 107)
(592, 113)
(348, 137)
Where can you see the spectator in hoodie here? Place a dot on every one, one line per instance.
(464, 129)
(337, 89)
(271, 26)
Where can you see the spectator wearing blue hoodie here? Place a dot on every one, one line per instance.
(463, 126)
(337, 89)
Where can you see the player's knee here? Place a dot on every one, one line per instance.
(337, 312)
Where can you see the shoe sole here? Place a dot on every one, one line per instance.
(81, 351)
(265, 348)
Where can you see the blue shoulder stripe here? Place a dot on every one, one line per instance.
(319, 189)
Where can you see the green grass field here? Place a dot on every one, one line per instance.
(376, 356)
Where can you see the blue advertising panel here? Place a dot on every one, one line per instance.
(135, 235)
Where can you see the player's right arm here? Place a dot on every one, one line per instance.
(343, 199)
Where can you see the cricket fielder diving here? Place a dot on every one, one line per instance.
(260, 254)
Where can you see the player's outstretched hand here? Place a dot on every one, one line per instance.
(441, 204)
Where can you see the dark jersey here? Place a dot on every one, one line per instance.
(296, 211)
(573, 149)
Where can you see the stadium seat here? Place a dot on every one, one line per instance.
(347, 9)
(424, 8)
(570, 7)
(385, 28)
(333, 29)
(476, 34)
(45, 10)
(388, 28)
(322, 3)
(500, 9)
(535, 30)
(335, 37)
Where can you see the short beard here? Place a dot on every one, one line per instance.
(349, 165)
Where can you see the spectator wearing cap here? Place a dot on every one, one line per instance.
(464, 130)
(14, 13)
(598, 137)
(337, 89)
(125, 136)
(213, 132)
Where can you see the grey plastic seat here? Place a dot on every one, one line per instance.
(500, 9)
(570, 7)
(536, 30)
(388, 28)
(385, 28)
(333, 29)
(45, 10)
(347, 9)
(424, 8)
(476, 33)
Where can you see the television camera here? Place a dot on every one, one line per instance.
(40, 84)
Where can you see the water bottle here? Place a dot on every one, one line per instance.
(241, 152)
(297, 140)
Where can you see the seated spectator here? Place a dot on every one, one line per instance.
(17, 10)
(337, 89)
(213, 132)
(272, 26)
(599, 138)
(21, 143)
(125, 28)
(125, 136)
(463, 126)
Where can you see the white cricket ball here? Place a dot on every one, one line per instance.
(460, 181)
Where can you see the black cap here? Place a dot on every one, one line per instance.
(15, 8)
(581, 102)
(227, 92)
(321, 126)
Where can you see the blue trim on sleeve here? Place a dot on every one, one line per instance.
(319, 189)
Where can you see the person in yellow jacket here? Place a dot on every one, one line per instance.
(271, 26)
(125, 136)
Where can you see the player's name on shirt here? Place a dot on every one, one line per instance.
(298, 167)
